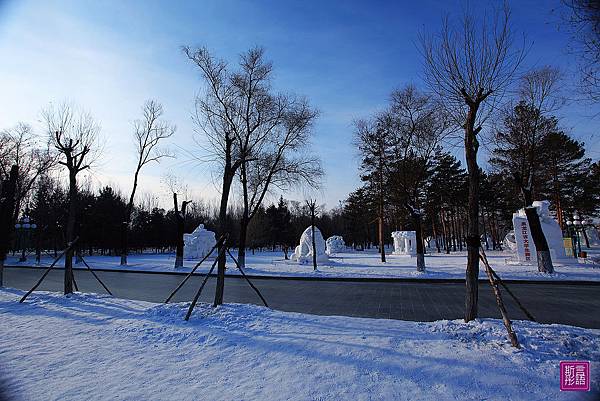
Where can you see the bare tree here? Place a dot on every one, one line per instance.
(311, 204)
(584, 18)
(273, 140)
(148, 133)
(469, 65)
(217, 116)
(176, 187)
(250, 132)
(22, 162)
(8, 189)
(20, 147)
(419, 125)
(74, 134)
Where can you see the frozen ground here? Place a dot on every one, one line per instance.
(357, 265)
(92, 347)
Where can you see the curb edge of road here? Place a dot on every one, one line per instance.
(334, 279)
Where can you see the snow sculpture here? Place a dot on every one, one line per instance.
(335, 244)
(303, 252)
(405, 243)
(510, 242)
(524, 243)
(199, 243)
(593, 236)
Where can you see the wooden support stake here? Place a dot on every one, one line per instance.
(247, 279)
(511, 334)
(94, 274)
(195, 300)
(194, 269)
(525, 311)
(73, 279)
(48, 270)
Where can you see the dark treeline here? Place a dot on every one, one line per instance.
(154, 229)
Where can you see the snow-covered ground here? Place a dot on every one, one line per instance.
(94, 347)
(355, 265)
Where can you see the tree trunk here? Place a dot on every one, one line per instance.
(314, 247)
(435, 234)
(473, 243)
(38, 247)
(7, 204)
(228, 176)
(485, 234)
(460, 234)
(124, 229)
(419, 244)
(179, 220)
(446, 233)
(544, 259)
(454, 231)
(381, 210)
(242, 241)
(124, 239)
(68, 279)
(557, 197)
(127, 219)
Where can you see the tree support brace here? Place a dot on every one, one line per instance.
(507, 323)
(223, 250)
(69, 247)
(217, 245)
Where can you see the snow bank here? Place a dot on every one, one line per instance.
(96, 347)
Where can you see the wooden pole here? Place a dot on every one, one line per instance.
(519, 304)
(511, 334)
(73, 279)
(194, 269)
(247, 279)
(195, 300)
(94, 274)
(48, 270)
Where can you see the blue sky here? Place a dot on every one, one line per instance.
(346, 56)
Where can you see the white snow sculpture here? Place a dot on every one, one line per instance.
(199, 243)
(335, 244)
(593, 236)
(405, 243)
(303, 252)
(525, 247)
(510, 241)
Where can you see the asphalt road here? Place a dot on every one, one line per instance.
(573, 304)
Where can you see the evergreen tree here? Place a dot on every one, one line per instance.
(565, 173)
(445, 193)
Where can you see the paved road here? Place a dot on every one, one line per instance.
(577, 305)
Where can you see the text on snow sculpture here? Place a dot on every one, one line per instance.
(405, 242)
(335, 244)
(199, 243)
(525, 247)
(303, 252)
